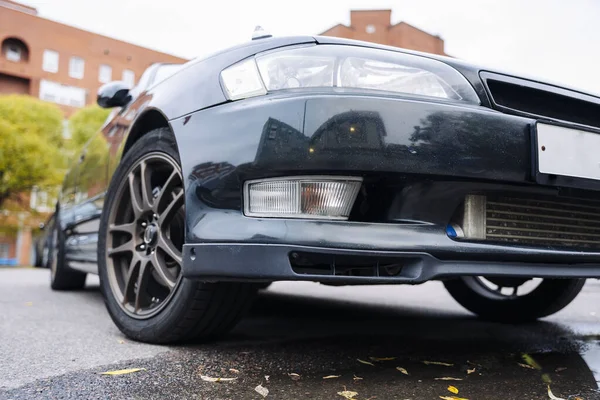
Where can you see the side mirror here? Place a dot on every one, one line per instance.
(113, 94)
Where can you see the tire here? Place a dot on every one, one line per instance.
(61, 276)
(551, 296)
(192, 310)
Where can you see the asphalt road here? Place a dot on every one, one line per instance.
(54, 345)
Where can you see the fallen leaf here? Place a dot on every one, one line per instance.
(452, 398)
(294, 376)
(404, 371)
(530, 361)
(267, 378)
(470, 371)
(546, 379)
(438, 363)
(560, 369)
(263, 391)
(552, 396)
(235, 371)
(357, 378)
(29, 303)
(121, 341)
(348, 394)
(525, 366)
(123, 371)
(331, 376)
(448, 378)
(382, 358)
(453, 389)
(365, 362)
(211, 379)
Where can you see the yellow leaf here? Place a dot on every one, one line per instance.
(331, 376)
(121, 341)
(263, 391)
(546, 379)
(452, 398)
(357, 378)
(525, 366)
(348, 394)
(530, 361)
(453, 389)
(235, 371)
(123, 371)
(365, 362)
(404, 371)
(211, 379)
(552, 396)
(438, 363)
(448, 378)
(470, 371)
(382, 358)
(29, 303)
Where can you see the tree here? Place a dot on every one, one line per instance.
(30, 146)
(85, 123)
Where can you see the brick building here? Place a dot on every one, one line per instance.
(376, 26)
(63, 65)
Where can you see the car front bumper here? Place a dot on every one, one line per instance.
(421, 157)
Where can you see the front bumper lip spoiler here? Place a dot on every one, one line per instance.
(271, 262)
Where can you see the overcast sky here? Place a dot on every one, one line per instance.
(555, 40)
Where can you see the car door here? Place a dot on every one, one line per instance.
(92, 180)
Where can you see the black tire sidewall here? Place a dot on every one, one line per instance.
(159, 325)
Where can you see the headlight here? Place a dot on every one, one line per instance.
(349, 67)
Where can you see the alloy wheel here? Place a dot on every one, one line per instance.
(497, 288)
(145, 236)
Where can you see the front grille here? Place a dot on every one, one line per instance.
(547, 221)
(520, 96)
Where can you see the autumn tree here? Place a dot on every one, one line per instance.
(31, 145)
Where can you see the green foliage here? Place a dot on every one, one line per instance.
(85, 123)
(27, 159)
(32, 117)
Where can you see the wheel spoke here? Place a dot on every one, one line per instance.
(162, 271)
(170, 183)
(146, 186)
(136, 204)
(127, 247)
(125, 228)
(142, 282)
(169, 248)
(172, 208)
(130, 280)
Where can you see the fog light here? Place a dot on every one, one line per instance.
(301, 197)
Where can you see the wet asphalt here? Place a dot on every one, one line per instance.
(55, 345)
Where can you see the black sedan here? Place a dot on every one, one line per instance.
(341, 162)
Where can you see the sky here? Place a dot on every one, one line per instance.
(552, 40)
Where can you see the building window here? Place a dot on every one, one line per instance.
(15, 50)
(105, 73)
(370, 28)
(62, 94)
(13, 53)
(40, 200)
(128, 77)
(50, 62)
(4, 251)
(76, 67)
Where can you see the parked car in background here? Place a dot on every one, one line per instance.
(41, 243)
(329, 160)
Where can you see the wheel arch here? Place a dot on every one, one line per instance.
(146, 122)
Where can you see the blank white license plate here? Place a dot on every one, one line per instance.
(568, 152)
